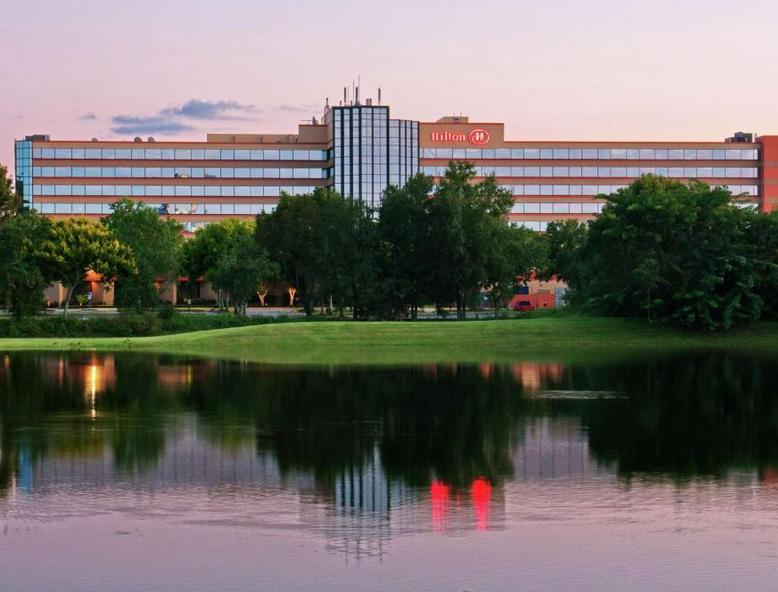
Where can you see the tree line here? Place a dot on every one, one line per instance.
(427, 244)
(685, 254)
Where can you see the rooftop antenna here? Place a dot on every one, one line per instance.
(345, 96)
(379, 95)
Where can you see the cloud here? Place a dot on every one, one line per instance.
(208, 110)
(169, 120)
(298, 108)
(88, 117)
(155, 124)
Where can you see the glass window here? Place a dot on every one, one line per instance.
(228, 154)
(183, 154)
(562, 153)
(690, 155)
(121, 153)
(589, 153)
(546, 153)
(675, 154)
(661, 153)
(733, 154)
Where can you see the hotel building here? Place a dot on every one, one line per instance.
(359, 149)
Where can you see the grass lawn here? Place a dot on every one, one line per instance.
(564, 338)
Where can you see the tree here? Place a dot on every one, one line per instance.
(564, 243)
(670, 252)
(205, 249)
(763, 238)
(22, 264)
(156, 246)
(75, 246)
(403, 233)
(514, 254)
(462, 215)
(314, 239)
(10, 201)
(242, 267)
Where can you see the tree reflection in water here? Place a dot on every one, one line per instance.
(370, 441)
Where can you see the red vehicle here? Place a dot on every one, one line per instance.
(523, 306)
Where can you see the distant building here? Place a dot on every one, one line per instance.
(359, 149)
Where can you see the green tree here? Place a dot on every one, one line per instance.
(670, 252)
(205, 249)
(323, 244)
(75, 246)
(565, 240)
(23, 271)
(462, 216)
(763, 238)
(403, 233)
(513, 255)
(156, 247)
(10, 201)
(242, 267)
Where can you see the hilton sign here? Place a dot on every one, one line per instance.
(477, 137)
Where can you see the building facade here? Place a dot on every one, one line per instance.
(359, 150)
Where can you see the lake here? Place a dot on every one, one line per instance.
(137, 472)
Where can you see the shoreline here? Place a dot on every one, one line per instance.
(560, 338)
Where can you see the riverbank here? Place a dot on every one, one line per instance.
(554, 337)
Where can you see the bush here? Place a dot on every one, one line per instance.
(166, 312)
(127, 324)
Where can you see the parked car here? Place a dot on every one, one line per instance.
(523, 306)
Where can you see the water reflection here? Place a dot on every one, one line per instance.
(363, 454)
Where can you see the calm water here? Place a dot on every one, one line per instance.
(154, 473)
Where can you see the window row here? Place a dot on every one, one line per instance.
(557, 208)
(223, 209)
(594, 153)
(180, 172)
(178, 154)
(602, 189)
(170, 190)
(608, 172)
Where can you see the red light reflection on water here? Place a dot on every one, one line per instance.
(441, 503)
(481, 495)
(440, 494)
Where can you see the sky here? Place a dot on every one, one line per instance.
(551, 70)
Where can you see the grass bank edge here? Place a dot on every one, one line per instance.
(343, 342)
